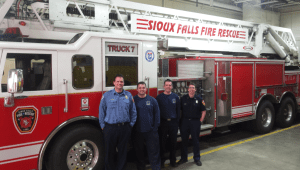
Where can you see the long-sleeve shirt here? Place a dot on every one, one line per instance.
(148, 114)
(169, 106)
(117, 108)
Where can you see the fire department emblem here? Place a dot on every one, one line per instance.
(149, 55)
(25, 119)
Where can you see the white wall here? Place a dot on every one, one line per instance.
(268, 17)
(292, 20)
(189, 6)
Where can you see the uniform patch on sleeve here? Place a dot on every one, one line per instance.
(132, 100)
(102, 97)
(203, 102)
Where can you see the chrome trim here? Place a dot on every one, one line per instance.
(148, 81)
(66, 96)
(57, 129)
(284, 93)
(263, 96)
(250, 60)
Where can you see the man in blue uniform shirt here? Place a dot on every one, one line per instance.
(117, 115)
(169, 105)
(148, 120)
(193, 114)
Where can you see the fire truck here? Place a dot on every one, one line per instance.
(59, 57)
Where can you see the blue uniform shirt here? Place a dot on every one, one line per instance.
(117, 108)
(148, 115)
(192, 107)
(169, 106)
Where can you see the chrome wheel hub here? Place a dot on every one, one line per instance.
(287, 112)
(266, 117)
(83, 155)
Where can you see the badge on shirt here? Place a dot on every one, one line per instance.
(126, 96)
(203, 102)
(148, 103)
(196, 101)
(174, 100)
(184, 104)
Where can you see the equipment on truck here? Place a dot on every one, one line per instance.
(59, 57)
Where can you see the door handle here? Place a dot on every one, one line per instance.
(66, 96)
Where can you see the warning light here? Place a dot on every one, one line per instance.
(22, 23)
(14, 31)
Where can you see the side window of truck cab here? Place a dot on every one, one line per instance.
(37, 72)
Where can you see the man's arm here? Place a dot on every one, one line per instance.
(178, 108)
(102, 112)
(132, 112)
(156, 114)
(203, 116)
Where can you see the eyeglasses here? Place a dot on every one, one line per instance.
(191, 87)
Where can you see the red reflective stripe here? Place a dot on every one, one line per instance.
(142, 20)
(141, 24)
(141, 28)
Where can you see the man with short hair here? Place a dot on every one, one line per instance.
(169, 105)
(145, 131)
(193, 114)
(117, 115)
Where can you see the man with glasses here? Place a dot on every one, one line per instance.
(193, 114)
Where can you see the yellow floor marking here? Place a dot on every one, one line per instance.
(241, 142)
(248, 140)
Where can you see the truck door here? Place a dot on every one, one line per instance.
(26, 125)
(223, 94)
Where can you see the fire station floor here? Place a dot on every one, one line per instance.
(242, 149)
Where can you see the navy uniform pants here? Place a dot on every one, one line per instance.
(190, 126)
(152, 144)
(168, 128)
(116, 136)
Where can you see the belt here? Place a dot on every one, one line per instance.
(119, 124)
(169, 120)
(192, 118)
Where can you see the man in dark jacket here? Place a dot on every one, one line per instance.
(169, 106)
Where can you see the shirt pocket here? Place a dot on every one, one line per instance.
(125, 103)
(112, 104)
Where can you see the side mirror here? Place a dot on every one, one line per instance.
(15, 81)
(14, 85)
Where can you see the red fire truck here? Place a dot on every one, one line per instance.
(59, 57)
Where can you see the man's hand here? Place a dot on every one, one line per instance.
(102, 128)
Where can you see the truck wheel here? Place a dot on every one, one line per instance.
(286, 113)
(265, 117)
(79, 147)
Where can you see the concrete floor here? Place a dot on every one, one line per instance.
(242, 149)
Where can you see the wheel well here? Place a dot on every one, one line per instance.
(268, 97)
(291, 96)
(73, 124)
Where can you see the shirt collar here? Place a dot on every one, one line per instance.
(122, 93)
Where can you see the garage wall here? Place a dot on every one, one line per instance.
(189, 6)
(268, 17)
(292, 20)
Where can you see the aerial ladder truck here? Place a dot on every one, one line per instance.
(59, 57)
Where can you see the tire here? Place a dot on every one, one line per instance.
(74, 147)
(265, 118)
(286, 113)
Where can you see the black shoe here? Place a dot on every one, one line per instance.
(199, 163)
(181, 162)
(162, 165)
(173, 164)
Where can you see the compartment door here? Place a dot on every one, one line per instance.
(224, 101)
(242, 90)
